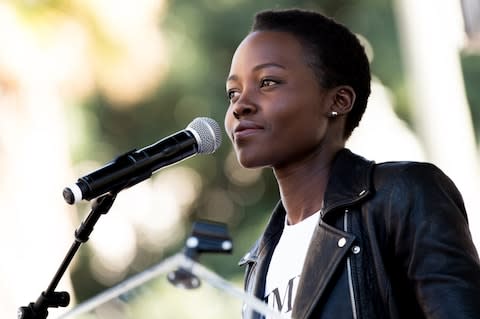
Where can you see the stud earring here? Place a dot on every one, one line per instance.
(333, 114)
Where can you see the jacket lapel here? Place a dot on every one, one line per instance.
(320, 265)
(329, 247)
(259, 257)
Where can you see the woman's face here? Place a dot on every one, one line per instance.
(278, 111)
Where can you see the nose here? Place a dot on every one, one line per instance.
(243, 106)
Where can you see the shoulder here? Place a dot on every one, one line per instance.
(406, 167)
(418, 187)
(411, 174)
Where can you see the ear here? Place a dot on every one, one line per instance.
(343, 99)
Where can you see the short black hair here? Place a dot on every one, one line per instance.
(333, 52)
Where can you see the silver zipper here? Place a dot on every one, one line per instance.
(349, 273)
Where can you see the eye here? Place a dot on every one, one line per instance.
(232, 94)
(268, 82)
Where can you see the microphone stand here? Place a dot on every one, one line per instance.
(49, 297)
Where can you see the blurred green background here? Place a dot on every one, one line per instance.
(166, 84)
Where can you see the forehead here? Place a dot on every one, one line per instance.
(268, 47)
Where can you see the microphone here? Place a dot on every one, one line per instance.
(202, 136)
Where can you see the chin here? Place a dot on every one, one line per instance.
(248, 161)
(249, 165)
(252, 163)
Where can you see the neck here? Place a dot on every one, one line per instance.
(302, 185)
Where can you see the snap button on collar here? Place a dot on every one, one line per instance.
(356, 249)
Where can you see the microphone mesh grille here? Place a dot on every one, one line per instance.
(209, 133)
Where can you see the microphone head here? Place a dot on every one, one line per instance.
(207, 133)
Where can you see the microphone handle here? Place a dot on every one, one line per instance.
(134, 166)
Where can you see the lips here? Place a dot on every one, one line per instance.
(245, 129)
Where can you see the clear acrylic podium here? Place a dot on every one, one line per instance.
(179, 287)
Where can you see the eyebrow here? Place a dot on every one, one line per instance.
(234, 77)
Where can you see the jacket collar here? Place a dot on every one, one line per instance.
(350, 182)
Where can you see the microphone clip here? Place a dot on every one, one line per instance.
(206, 237)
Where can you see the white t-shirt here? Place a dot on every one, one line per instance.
(286, 265)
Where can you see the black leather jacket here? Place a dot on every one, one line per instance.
(392, 242)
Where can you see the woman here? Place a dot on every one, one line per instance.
(349, 238)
